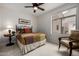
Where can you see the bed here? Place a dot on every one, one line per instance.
(27, 40)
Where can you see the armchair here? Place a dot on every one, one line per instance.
(72, 42)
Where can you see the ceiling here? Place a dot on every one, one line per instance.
(20, 7)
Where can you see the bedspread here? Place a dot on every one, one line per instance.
(28, 38)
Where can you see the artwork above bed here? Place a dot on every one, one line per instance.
(24, 21)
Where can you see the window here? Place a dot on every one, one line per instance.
(68, 24)
(65, 22)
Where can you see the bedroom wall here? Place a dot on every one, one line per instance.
(45, 22)
(9, 16)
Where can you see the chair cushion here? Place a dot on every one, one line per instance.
(66, 43)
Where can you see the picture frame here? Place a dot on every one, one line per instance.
(24, 21)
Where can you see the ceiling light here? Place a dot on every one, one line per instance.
(65, 12)
(35, 8)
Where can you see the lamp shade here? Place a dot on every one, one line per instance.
(9, 27)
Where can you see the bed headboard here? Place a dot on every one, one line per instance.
(24, 26)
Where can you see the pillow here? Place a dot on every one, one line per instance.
(27, 30)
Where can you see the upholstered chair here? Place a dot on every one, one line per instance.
(71, 42)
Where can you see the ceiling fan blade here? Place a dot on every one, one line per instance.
(34, 4)
(40, 4)
(28, 6)
(41, 8)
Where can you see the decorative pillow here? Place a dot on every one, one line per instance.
(27, 30)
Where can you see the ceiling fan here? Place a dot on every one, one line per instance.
(35, 6)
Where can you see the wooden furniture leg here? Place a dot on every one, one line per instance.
(70, 44)
(59, 42)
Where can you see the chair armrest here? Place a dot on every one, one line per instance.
(75, 41)
(63, 37)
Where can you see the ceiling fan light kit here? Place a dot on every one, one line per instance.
(35, 8)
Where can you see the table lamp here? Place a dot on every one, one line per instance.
(10, 28)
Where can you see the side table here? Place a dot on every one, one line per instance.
(10, 38)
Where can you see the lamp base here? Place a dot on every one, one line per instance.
(10, 44)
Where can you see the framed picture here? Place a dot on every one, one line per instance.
(24, 21)
(56, 26)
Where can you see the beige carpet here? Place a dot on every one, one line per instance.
(46, 50)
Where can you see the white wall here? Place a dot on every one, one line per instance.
(44, 22)
(9, 16)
